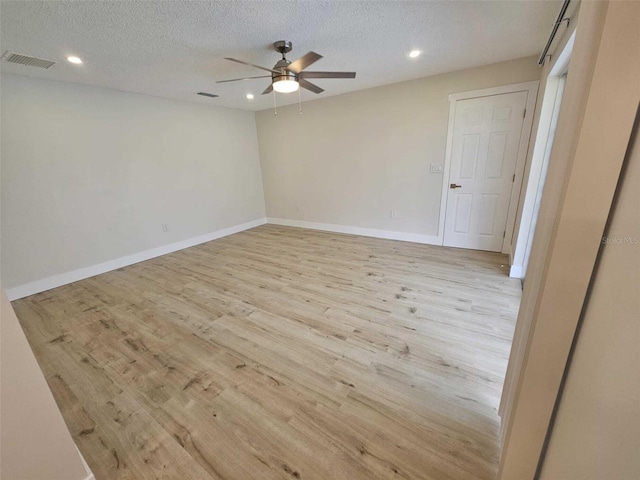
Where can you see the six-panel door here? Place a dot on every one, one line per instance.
(486, 138)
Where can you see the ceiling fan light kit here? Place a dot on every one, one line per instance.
(287, 76)
(285, 85)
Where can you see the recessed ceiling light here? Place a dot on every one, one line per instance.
(249, 96)
(414, 53)
(74, 60)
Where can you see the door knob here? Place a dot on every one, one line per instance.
(453, 185)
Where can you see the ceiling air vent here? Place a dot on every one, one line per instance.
(11, 57)
(205, 94)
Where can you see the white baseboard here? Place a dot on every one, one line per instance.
(86, 272)
(90, 475)
(54, 281)
(365, 232)
(516, 271)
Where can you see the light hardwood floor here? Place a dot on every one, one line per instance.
(282, 353)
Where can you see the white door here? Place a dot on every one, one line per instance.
(486, 138)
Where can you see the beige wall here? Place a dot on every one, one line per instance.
(575, 94)
(36, 444)
(596, 433)
(90, 175)
(600, 103)
(351, 159)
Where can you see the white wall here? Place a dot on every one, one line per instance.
(596, 433)
(35, 441)
(90, 175)
(350, 159)
(600, 104)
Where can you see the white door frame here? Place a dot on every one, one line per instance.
(532, 91)
(540, 151)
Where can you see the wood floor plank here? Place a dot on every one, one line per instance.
(283, 353)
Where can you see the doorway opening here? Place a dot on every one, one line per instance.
(543, 146)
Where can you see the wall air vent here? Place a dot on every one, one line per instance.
(205, 94)
(11, 57)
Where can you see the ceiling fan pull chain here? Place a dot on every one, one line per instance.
(275, 108)
(299, 103)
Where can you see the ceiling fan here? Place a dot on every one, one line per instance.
(287, 76)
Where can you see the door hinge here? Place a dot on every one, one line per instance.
(524, 114)
(504, 234)
(514, 178)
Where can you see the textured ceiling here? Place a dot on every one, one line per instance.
(174, 49)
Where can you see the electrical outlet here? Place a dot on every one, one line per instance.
(298, 209)
(165, 227)
(436, 168)
(394, 214)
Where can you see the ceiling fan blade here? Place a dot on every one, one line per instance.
(327, 74)
(310, 86)
(250, 64)
(304, 61)
(245, 78)
(269, 89)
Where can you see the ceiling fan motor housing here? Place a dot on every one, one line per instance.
(283, 74)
